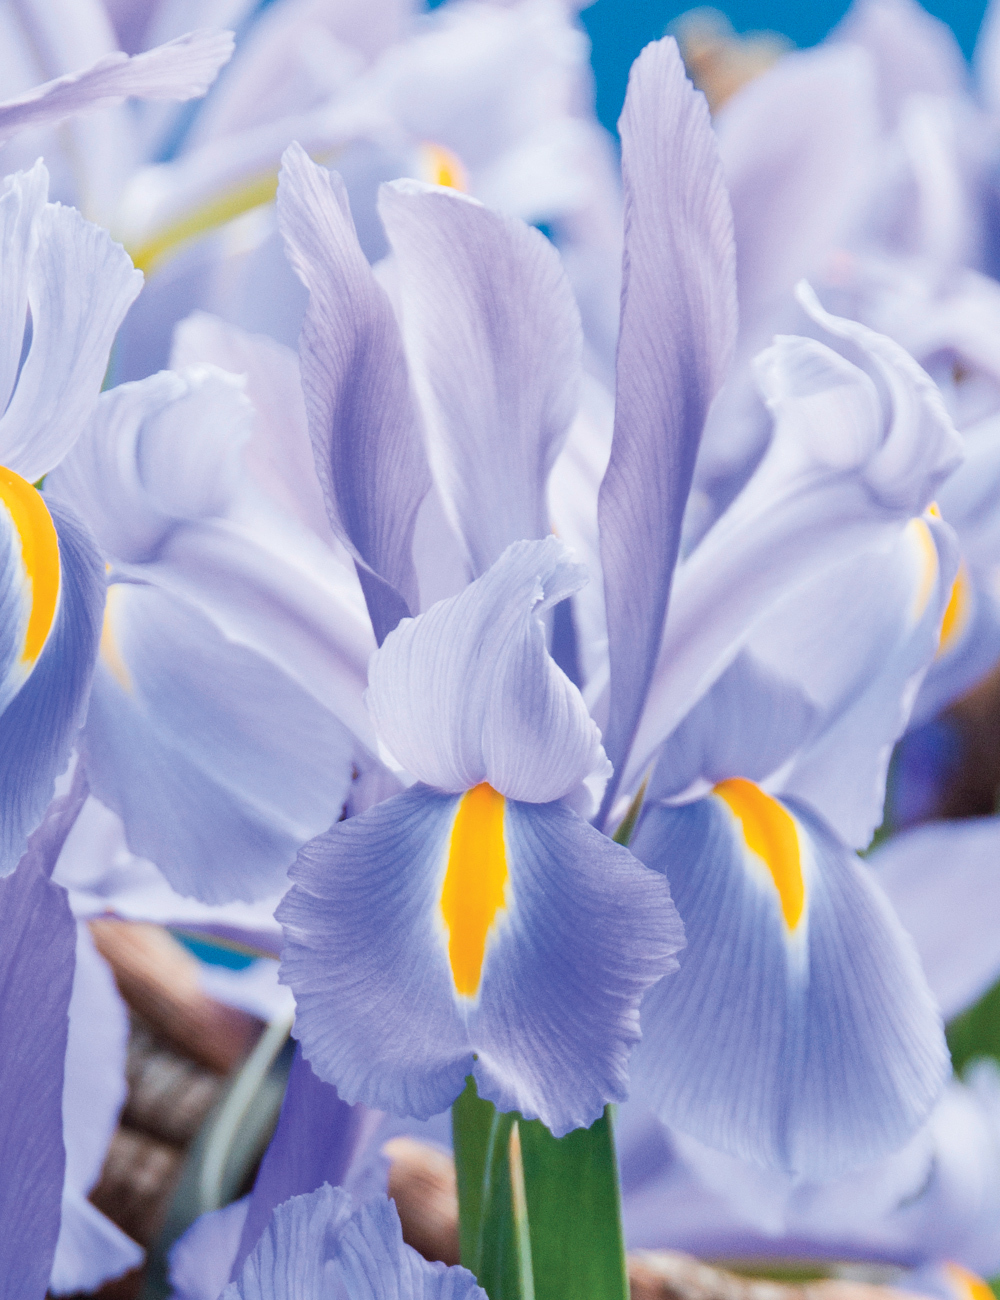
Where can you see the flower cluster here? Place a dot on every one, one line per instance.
(497, 583)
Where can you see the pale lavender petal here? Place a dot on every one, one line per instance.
(80, 286)
(362, 420)
(467, 692)
(36, 978)
(182, 69)
(21, 201)
(677, 328)
(493, 338)
(584, 932)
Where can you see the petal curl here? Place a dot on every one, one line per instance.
(181, 69)
(467, 692)
(580, 932)
(493, 337)
(799, 1032)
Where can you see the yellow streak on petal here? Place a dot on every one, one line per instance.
(39, 555)
(956, 614)
(924, 539)
(209, 216)
(442, 167)
(967, 1285)
(770, 832)
(110, 650)
(474, 883)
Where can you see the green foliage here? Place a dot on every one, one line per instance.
(976, 1032)
(538, 1216)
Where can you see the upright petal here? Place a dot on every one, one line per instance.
(678, 323)
(63, 582)
(493, 337)
(467, 692)
(524, 971)
(36, 979)
(362, 421)
(181, 69)
(21, 200)
(799, 1031)
(80, 286)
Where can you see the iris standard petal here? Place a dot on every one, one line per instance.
(218, 763)
(493, 338)
(678, 322)
(467, 692)
(62, 580)
(36, 977)
(362, 421)
(799, 1031)
(21, 200)
(435, 937)
(181, 69)
(80, 285)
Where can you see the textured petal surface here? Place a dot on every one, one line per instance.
(181, 69)
(799, 1031)
(362, 420)
(80, 286)
(678, 322)
(40, 724)
(582, 931)
(493, 337)
(21, 200)
(467, 692)
(219, 764)
(36, 978)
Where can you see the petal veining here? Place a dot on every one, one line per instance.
(475, 883)
(769, 832)
(39, 555)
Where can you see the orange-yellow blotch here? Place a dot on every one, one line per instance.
(956, 614)
(474, 883)
(770, 832)
(966, 1284)
(39, 556)
(442, 167)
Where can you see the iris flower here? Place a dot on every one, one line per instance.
(66, 288)
(408, 962)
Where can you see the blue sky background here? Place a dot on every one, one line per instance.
(620, 28)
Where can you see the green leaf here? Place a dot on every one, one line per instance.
(976, 1032)
(538, 1216)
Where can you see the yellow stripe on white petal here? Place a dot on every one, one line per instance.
(965, 1284)
(770, 833)
(39, 560)
(474, 892)
(110, 648)
(957, 612)
(927, 560)
(442, 167)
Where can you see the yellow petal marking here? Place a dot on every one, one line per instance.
(966, 1284)
(956, 614)
(928, 562)
(770, 832)
(442, 167)
(39, 555)
(110, 651)
(474, 883)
